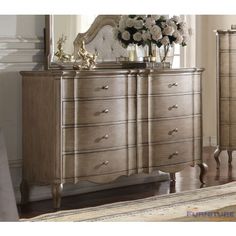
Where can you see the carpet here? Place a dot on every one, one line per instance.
(216, 203)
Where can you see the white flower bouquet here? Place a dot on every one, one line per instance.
(151, 29)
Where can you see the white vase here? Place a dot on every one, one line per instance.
(165, 54)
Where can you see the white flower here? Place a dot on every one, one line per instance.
(149, 22)
(130, 22)
(168, 30)
(165, 40)
(126, 35)
(179, 39)
(176, 19)
(157, 36)
(137, 36)
(172, 24)
(155, 29)
(185, 39)
(138, 24)
(155, 17)
(146, 36)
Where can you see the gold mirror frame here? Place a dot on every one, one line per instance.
(99, 22)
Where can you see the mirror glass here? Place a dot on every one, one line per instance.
(69, 26)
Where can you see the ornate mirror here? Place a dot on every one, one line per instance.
(96, 31)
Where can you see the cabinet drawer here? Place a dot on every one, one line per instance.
(169, 154)
(169, 106)
(98, 87)
(169, 84)
(98, 137)
(169, 130)
(99, 163)
(97, 111)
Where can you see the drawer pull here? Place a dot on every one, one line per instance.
(172, 85)
(105, 87)
(105, 163)
(106, 136)
(173, 154)
(173, 131)
(105, 111)
(173, 107)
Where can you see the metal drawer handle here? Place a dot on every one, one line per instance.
(172, 85)
(105, 111)
(173, 131)
(106, 136)
(173, 107)
(105, 163)
(105, 87)
(176, 153)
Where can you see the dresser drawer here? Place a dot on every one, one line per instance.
(98, 137)
(169, 106)
(99, 163)
(169, 130)
(175, 153)
(97, 111)
(166, 84)
(98, 87)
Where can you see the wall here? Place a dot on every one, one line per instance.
(206, 57)
(22, 48)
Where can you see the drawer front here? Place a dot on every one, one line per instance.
(169, 130)
(99, 163)
(169, 154)
(172, 106)
(98, 87)
(99, 137)
(97, 111)
(169, 84)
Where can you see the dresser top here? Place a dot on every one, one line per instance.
(100, 72)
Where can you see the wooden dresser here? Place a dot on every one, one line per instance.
(98, 125)
(226, 93)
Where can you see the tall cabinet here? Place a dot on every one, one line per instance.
(226, 93)
(101, 124)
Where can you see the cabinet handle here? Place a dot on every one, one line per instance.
(105, 111)
(172, 85)
(105, 163)
(105, 87)
(106, 136)
(173, 107)
(176, 153)
(173, 131)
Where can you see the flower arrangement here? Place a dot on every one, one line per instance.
(151, 29)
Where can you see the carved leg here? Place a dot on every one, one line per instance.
(56, 195)
(172, 177)
(230, 157)
(24, 189)
(216, 156)
(203, 171)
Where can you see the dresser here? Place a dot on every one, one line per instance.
(226, 93)
(101, 124)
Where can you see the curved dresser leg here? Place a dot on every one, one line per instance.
(24, 189)
(203, 171)
(216, 156)
(56, 195)
(230, 157)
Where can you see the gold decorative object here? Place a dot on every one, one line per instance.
(87, 60)
(60, 54)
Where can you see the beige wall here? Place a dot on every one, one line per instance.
(206, 57)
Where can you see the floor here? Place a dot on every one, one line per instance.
(185, 180)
